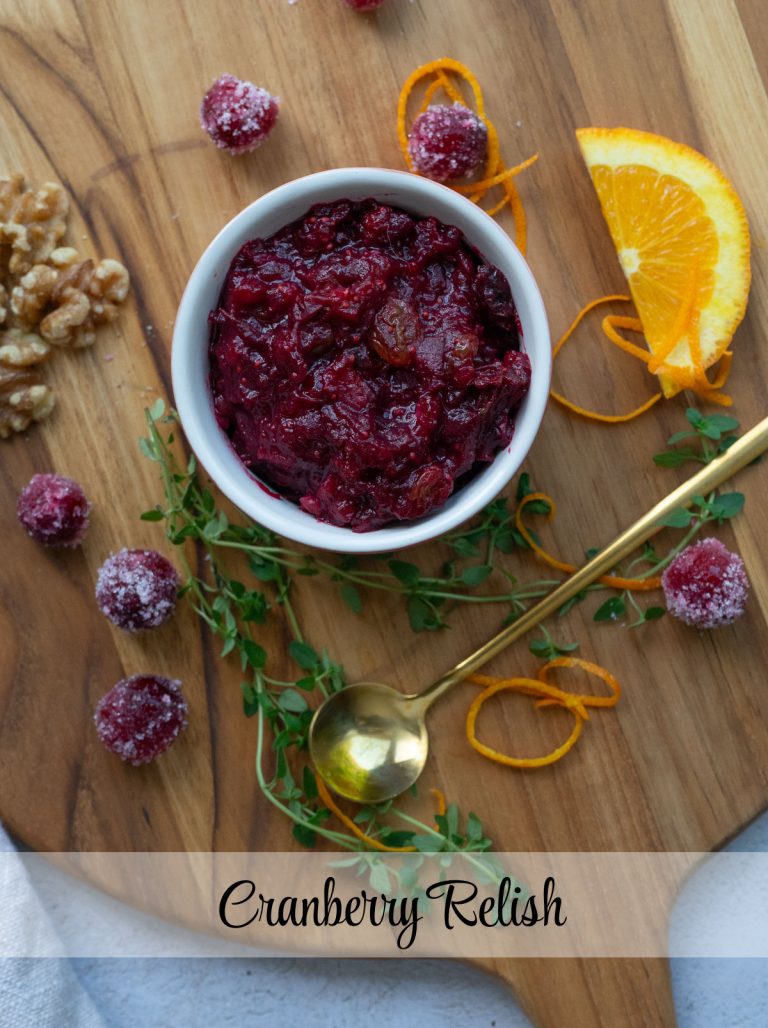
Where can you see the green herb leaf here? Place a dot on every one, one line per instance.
(152, 515)
(465, 547)
(351, 596)
(290, 699)
(157, 409)
(678, 437)
(538, 507)
(250, 699)
(229, 645)
(255, 655)
(506, 539)
(724, 422)
(304, 835)
(523, 486)
(548, 649)
(419, 614)
(428, 843)
(726, 505)
(398, 838)
(214, 528)
(147, 447)
(308, 683)
(309, 783)
(680, 518)
(303, 654)
(474, 828)
(476, 574)
(265, 571)
(253, 607)
(674, 458)
(404, 572)
(611, 609)
(654, 613)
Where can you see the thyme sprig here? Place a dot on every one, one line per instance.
(232, 610)
(706, 438)
(282, 708)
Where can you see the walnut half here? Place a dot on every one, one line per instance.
(23, 395)
(67, 302)
(22, 349)
(23, 398)
(32, 221)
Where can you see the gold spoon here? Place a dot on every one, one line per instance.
(369, 742)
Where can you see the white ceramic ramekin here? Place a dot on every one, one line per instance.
(191, 338)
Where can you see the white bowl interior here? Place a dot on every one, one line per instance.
(190, 365)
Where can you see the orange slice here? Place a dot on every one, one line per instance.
(682, 238)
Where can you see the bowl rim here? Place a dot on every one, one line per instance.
(241, 486)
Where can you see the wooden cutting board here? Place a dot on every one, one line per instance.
(104, 97)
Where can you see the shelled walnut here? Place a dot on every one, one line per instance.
(32, 221)
(50, 296)
(24, 397)
(70, 300)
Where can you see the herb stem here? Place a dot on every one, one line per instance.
(344, 840)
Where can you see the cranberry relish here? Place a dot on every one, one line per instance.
(363, 360)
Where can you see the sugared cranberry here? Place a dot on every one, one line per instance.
(237, 115)
(447, 142)
(140, 717)
(363, 5)
(137, 589)
(54, 510)
(706, 585)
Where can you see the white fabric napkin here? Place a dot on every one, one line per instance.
(42, 992)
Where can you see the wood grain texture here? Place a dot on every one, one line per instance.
(103, 97)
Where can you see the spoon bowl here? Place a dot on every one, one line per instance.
(369, 742)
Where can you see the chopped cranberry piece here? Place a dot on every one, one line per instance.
(363, 360)
(706, 585)
(385, 224)
(447, 142)
(237, 115)
(364, 5)
(140, 717)
(495, 297)
(54, 510)
(137, 589)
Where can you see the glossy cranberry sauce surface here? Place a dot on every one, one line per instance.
(364, 361)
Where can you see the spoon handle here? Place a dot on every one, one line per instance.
(743, 451)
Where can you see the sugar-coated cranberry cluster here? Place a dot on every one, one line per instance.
(140, 717)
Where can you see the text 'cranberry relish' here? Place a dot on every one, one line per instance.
(364, 360)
